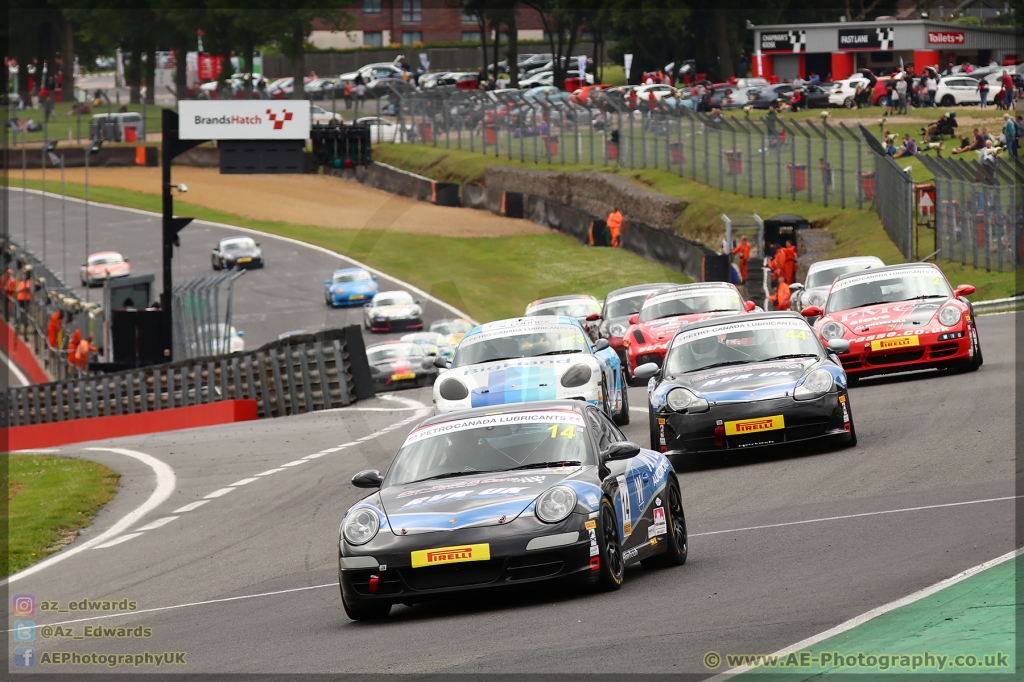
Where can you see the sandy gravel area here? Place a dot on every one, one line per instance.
(306, 199)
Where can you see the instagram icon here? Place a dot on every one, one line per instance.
(24, 605)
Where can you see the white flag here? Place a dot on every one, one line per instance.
(629, 63)
(581, 64)
(424, 61)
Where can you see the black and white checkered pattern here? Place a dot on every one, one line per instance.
(886, 36)
(798, 40)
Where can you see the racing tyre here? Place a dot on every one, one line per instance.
(366, 610)
(678, 540)
(606, 399)
(612, 568)
(622, 418)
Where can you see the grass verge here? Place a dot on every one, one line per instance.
(49, 499)
(856, 231)
(488, 278)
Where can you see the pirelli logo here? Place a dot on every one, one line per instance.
(450, 555)
(895, 342)
(743, 427)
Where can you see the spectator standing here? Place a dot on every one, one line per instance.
(53, 329)
(901, 95)
(1010, 133)
(261, 89)
(1007, 89)
(85, 348)
(771, 121)
(743, 251)
(931, 86)
(890, 98)
(983, 92)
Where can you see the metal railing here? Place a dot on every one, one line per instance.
(296, 375)
(892, 190)
(199, 328)
(811, 161)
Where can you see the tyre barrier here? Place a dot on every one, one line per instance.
(295, 375)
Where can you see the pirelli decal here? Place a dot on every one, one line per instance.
(743, 427)
(450, 555)
(895, 342)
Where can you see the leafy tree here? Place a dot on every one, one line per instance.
(563, 20)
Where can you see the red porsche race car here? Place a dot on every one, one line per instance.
(666, 312)
(900, 318)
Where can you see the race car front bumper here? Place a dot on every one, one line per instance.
(680, 435)
(948, 349)
(564, 549)
(396, 325)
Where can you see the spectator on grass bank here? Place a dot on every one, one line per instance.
(901, 94)
(909, 147)
(1010, 133)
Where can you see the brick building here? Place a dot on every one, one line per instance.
(383, 22)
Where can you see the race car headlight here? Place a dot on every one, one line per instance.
(556, 504)
(816, 384)
(816, 298)
(832, 330)
(617, 330)
(416, 310)
(361, 526)
(682, 400)
(577, 375)
(453, 389)
(950, 315)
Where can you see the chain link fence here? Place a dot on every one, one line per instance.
(202, 315)
(892, 191)
(811, 161)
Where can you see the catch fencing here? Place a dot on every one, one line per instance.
(49, 294)
(199, 329)
(893, 195)
(811, 161)
(979, 212)
(300, 374)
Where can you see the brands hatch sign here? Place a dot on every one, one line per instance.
(243, 120)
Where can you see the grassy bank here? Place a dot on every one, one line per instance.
(489, 278)
(49, 499)
(856, 231)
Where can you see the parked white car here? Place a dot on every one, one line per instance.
(321, 116)
(383, 130)
(643, 93)
(959, 89)
(843, 91)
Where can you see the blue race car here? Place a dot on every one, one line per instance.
(526, 359)
(495, 497)
(350, 286)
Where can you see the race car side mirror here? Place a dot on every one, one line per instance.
(621, 450)
(327, 281)
(593, 317)
(749, 305)
(374, 277)
(600, 345)
(646, 371)
(370, 478)
(812, 311)
(839, 345)
(441, 362)
(634, 318)
(964, 290)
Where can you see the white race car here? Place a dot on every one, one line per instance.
(532, 358)
(820, 276)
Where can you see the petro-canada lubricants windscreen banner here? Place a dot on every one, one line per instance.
(243, 119)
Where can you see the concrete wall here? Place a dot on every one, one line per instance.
(595, 193)
(811, 247)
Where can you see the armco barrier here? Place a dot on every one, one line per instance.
(299, 374)
(75, 158)
(403, 183)
(119, 426)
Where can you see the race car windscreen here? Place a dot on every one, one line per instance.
(395, 351)
(581, 308)
(740, 343)
(625, 305)
(351, 277)
(489, 444)
(397, 298)
(106, 259)
(825, 276)
(449, 327)
(887, 287)
(237, 244)
(691, 303)
(506, 344)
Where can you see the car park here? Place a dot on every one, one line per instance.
(762, 98)
(748, 381)
(820, 275)
(237, 252)
(102, 266)
(396, 365)
(899, 318)
(665, 312)
(320, 116)
(350, 286)
(490, 497)
(391, 311)
(529, 359)
(383, 130)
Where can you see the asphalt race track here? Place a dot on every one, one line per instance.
(246, 582)
(286, 295)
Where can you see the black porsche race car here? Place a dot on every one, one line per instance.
(399, 364)
(236, 252)
(747, 381)
(507, 495)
